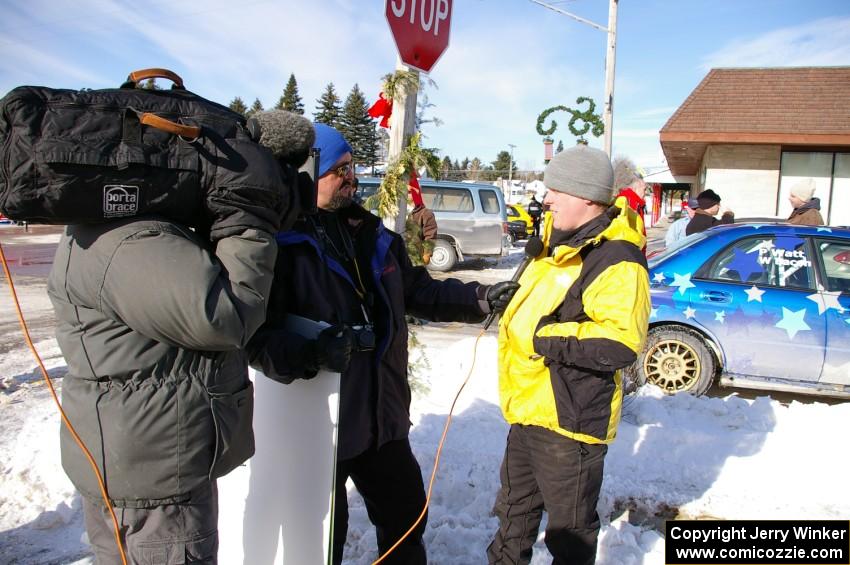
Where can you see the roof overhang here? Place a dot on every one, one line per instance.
(684, 151)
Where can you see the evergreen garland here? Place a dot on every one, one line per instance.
(400, 80)
(394, 183)
(588, 117)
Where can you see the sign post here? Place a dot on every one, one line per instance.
(421, 32)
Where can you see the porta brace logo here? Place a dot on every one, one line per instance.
(120, 200)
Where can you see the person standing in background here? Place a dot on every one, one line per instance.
(806, 206)
(535, 210)
(704, 218)
(676, 231)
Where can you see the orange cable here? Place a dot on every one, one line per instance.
(439, 452)
(65, 419)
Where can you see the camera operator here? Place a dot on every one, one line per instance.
(343, 267)
(151, 319)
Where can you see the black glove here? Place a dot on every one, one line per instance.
(250, 191)
(500, 294)
(333, 348)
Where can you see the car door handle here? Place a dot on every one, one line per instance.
(716, 296)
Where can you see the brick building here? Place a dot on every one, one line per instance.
(751, 133)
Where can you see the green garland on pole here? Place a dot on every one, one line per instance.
(394, 183)
(592, 122)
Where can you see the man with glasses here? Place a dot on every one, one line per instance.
(343, 267)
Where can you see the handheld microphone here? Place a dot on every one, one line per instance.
(533, 247)
(287, 135)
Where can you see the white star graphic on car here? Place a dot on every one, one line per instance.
(653, 313)
(826, 300)
(720, 316)
(659, 277)
(754, 294)
(793, 322)
(766, 245)
(682, 281)
(690, 313)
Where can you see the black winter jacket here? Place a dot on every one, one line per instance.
(310, 282)
(702, 221)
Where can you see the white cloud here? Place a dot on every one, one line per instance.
(824, 42)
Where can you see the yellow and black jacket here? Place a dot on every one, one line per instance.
(579, 316)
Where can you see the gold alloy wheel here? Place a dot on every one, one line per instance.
(672, 366)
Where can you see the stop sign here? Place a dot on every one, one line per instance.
(420, 29)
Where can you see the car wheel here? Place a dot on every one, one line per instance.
(675, 360)
(444, 257)
(512, 237)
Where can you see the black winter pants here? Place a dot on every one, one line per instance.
(390, 482)
(543, 470)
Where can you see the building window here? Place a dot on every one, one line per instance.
(831, 173)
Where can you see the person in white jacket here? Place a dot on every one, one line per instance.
(676, 231)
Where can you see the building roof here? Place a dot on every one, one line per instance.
(778, 106)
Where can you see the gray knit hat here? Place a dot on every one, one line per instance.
(583, 172)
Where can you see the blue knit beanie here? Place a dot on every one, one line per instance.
(331, 144)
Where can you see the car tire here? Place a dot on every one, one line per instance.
(676, 360)
(512, 237)
(443, 257)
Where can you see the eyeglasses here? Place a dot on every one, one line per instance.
(342, 170)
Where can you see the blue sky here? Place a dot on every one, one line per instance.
(507, 59)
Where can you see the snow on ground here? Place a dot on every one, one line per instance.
(722, 457)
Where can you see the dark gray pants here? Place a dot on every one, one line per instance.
(172, 534)
(543, 470)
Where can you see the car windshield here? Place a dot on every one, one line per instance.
(675, 248)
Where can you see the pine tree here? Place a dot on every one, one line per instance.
(504, 164)
(150, 84)
(257, 106)
(291, 101)
(464, 165)
(237, 105)
(446, 167)
(474, 169)
(358, 128)
(329, 107)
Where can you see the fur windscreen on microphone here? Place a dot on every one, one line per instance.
(289, 136)
(533, 247)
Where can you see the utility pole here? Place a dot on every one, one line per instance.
(610, 62)
(511, 169)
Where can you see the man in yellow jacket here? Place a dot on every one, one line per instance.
(579, 316)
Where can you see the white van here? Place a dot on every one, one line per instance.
(471, 219)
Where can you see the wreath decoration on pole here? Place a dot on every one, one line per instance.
(592, 122)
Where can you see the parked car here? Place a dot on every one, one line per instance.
(517, 213)
(763, 306)
(517, 229)
(471, 219)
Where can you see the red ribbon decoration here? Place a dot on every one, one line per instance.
(383, 109)
(414, 189)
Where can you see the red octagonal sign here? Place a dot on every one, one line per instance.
(420, 29)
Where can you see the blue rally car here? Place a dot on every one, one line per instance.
(763, 306)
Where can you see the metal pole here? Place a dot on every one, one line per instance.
(610, 62)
